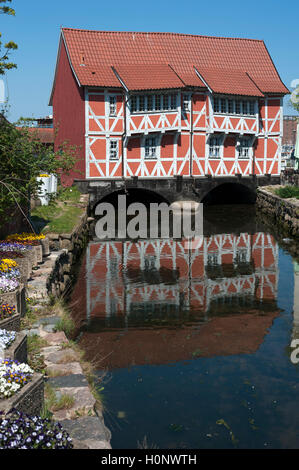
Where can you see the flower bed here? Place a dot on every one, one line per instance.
(24, 248)
(14, 344)
(6, 338)
(20, 388)
(9, 318)
(22, 431)
(24, 265)
(13, 297)
(30, 239)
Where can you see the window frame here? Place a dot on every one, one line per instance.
(160, 102)
(234, 106)
(247, 150)
(112, 106)
(109, 149)
(215, 146)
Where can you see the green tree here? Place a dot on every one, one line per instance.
(23, 157)
(5, 64)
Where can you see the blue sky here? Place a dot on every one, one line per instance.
(36, 26)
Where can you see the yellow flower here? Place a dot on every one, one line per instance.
(25, 237)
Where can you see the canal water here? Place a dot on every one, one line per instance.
(193, 346)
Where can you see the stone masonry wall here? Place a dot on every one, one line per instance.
(283, 212)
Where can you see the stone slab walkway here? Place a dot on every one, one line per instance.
(82, 419)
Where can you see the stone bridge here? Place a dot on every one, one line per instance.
(230, 189)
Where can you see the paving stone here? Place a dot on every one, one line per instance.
(73, 380)
(95, 444)
(62, 356)
(47, 321)
(54, 338)
(64, 369)
(86, 428)
(83, 404)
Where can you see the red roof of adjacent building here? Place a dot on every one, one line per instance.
(44, 134)
(144, 61)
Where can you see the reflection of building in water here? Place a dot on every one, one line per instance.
(296, 301)
(154, 302)
(225, 271)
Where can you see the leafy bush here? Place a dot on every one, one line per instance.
(288, 191)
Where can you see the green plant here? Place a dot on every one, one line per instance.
(287, 192)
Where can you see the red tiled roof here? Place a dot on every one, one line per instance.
(227, 81)
(44, 134)
(102, 49)
(148, 77)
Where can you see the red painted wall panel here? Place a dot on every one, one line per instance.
(69, 115)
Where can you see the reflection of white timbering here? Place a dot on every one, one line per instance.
(296, 301)
(123, 277)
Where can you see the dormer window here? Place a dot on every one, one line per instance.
(224, 105)
(153, 102)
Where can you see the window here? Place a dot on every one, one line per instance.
(234, 106)
(141, 103)
(133, 104)
(165, 102)
(153, 102)
(149, 105)
(113, 149)
(212, 259)
(223, 105)
(214, 147)
(173, 101)
(112, 105)
(216, 105)
(150, 147)
(243, 148)
(237, 107)
(186, 103)
(230, 106)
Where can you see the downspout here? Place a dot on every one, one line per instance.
(191, 135)
(123, 137)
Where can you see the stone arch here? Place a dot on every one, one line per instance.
(134, 194)
(230, 193)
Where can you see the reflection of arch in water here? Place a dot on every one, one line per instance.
(230, 193)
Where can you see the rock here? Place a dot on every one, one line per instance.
(65, 381)
(83, 404)
(87, 428)
(54, 338)
(64, 369)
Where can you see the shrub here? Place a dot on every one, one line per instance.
(288, 191)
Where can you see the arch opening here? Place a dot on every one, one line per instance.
(143, 196)
(230, 193)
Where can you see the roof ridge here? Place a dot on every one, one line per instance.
(161, 33)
